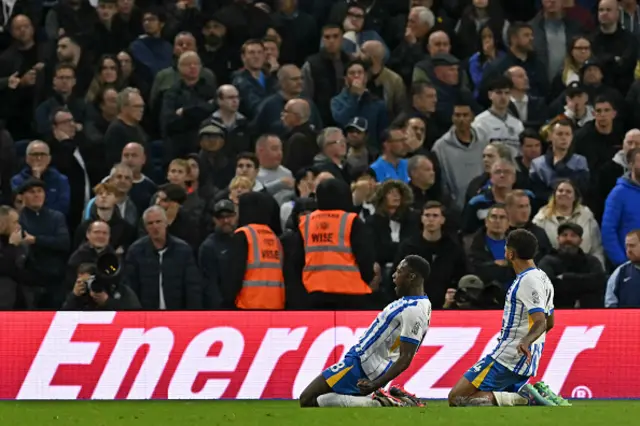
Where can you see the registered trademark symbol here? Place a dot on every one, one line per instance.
(581, 392)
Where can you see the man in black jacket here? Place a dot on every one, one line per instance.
(518, 207)
(45, 232)
(333, 150)
(300, 146)
(171, 197)
(13, 274)
(97, 237)
(578, 278)
(161, 268)
(213, 256)
(446, 257)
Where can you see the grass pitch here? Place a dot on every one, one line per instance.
(282, 413)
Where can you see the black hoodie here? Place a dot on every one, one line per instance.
(256, 208)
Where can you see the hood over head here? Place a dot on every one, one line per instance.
(259, 208)
(334, 194)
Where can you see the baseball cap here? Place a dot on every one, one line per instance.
(444, 59)
(590, 63)
(212, 129)
(359, 123)
(570, 226)
(223, 206)
(30, 183)
(574, 89)
(469, 282)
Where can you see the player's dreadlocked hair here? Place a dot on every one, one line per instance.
(419, 265)
(523, 243)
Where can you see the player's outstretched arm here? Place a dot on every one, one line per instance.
(407, 352)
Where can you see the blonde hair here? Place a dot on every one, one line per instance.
(239, 182)
(550, 208)
(105, 187)
(180, 162)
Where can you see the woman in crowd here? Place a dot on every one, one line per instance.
(108, 74)
(129, 76)
(565, 206)
(490, 49)
(578, 51)
(476, 18)
(239, 185)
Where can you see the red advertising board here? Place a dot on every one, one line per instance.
(251, 355)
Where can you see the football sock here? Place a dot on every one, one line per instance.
(509, 399)
(337, 400)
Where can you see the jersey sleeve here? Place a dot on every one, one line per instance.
(533, 295)
(414, 325)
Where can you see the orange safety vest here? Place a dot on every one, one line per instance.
(329, 264)
(263, 282)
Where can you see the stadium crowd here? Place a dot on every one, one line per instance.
(289, 153)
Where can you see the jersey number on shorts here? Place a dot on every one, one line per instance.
(337, 367)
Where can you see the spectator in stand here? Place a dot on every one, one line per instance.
(346, 279)
(630, 17)
(530, 110)
(578, 52)
(247, 166)
(578, 278)
(393, 222)
(184, 106)
(622, 287)
(601, 138)
(131, 75)
(216, 52)
(299, 32)
(552, 32)
(117, 297)
(518, 208)
(359, 154)
(239, 185)
(21, 66)
(305, 187)
(424, 100)
(152, 52)
(475, 18)
(416, 133)
(180, 224)
(126, 128)
(213, 255)
(333, 151)
(104, 39)
(268, 116)
(438, 43)
(486, 249)
(168, 77)
(391, 164)
(386, 84)
(161, 268)
(45, 233)
(254, 278)
(122, 178)
(362, 190)
(490, 155)
(235, 124)
(100, 114)
(615, 168)
(580, 13)
(70, 51)
(64, 80)
(497, 124)
(614, 47)
(565, 206)
(72, 18)
(38, 167)
(459, 152)
(520, 53)
(277, 179)
(575, 105)
(13, 254)
(122, 233)
(490, 48)
(621, 210)
(251, 81)
(8, 165)
(530, 148)
(355, 32)
(97, 235)
(323, 73)
(107, 74)
(411, 49)
(143, 188)
(356, 101)
(300, 147)
(178, 172)
(425, 182)
(559, 163)
(502, 179)
(446, 257)
(216, 165)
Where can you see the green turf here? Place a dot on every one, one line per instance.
(282, 413)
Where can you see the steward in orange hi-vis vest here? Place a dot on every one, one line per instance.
(263, 283)
(330, 266)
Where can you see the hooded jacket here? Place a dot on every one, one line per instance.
(460, 163)
(254, 208)
(620, 217)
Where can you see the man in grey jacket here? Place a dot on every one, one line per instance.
(459, 152)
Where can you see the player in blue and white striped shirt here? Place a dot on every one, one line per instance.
(384, 351)
(501, 377)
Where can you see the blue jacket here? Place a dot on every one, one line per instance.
(623, 287)
(48, 256)
(155, 54)
(544, 173)
(346, 106)
(57, 189)
(476, 70)
(475, 212)
(252, 93)
(621, 215)
(213, 258)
